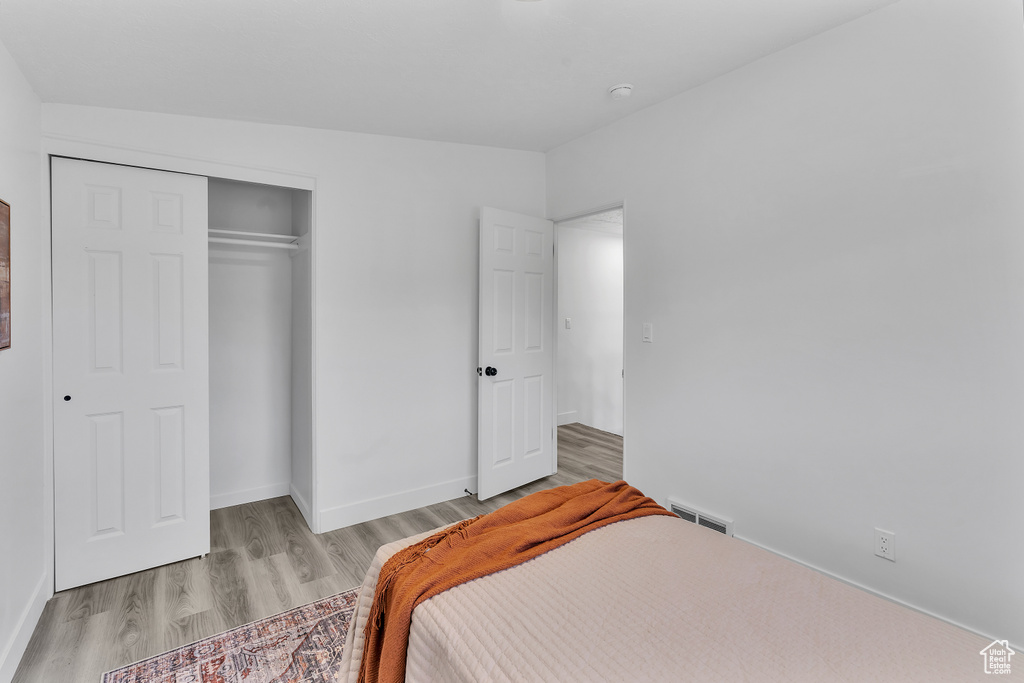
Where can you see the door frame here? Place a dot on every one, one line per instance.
(601, 208)
(54, 146)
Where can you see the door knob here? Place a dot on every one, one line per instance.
(67, 398)
(491, 372)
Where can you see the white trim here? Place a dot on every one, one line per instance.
(625, 317)
(375, 508)
(302, 504)
(872, 591)
(96, 150)
(226, 500)
(611, 206)
(313, 516)
(554, 348)
(49, 567)
(567, 418)
(14, 648)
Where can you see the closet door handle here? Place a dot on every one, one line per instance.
(491, 372)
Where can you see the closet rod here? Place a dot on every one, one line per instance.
(258, 236)
(252, 243)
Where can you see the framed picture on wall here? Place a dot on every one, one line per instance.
(5, 274)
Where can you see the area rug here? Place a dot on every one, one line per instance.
(302, 645)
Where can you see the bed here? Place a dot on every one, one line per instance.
(657, 598)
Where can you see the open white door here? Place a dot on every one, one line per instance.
(130, 370)
(517, 357)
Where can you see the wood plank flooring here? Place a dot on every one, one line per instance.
(263, 560)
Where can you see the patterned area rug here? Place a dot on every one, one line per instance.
(302, 645)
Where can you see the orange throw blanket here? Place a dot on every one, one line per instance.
(484, 545)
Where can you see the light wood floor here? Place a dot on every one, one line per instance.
(263, 560)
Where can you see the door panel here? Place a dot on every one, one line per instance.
(516, 405)
(130, 326)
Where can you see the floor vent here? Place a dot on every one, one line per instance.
(691, 514)
(688, 515)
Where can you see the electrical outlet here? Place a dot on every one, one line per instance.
(885, 544)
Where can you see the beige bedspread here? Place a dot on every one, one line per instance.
(659, 599)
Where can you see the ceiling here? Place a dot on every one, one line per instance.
(609, 221)
(502, 73)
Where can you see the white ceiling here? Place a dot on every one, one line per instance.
(606, 221)
(504, 73)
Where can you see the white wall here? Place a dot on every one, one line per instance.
(25, 508)
(250, 374)
(251, 333)
(302, 472)
(250, 207)
(590, 353)
(829, 244)
(396, 251)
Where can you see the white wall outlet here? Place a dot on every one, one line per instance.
(648, 333)
(885, 544)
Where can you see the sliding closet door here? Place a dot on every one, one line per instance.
(131, 413)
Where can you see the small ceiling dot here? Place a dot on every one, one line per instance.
(621, 91)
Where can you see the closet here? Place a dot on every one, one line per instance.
(182, 360)
(260, 344)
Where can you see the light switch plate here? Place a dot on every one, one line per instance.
(648, 333)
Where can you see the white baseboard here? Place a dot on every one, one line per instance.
(304, 507)
(375, 508)
(884, 596)
(567, 418)
(14, 648)
(225, 500)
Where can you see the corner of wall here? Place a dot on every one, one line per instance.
(26, 532)
(375, 508)
(15, 647)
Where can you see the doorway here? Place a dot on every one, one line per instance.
(131, 354)
(590, 303)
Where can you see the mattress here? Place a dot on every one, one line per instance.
(659, 599)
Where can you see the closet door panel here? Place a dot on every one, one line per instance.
(131, 375)
(169, 304)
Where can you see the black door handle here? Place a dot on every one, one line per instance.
(491, 372)
(67, 398)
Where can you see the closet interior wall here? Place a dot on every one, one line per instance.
(260, 344)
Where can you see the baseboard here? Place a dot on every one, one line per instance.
(568, 418)
(601, 429)
(14, 648)
(375, 508)
(1014, 646)
(304, 507)
(225, 500)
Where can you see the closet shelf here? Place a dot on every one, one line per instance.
(252, 239)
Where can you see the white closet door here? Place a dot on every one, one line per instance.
(130, 326)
